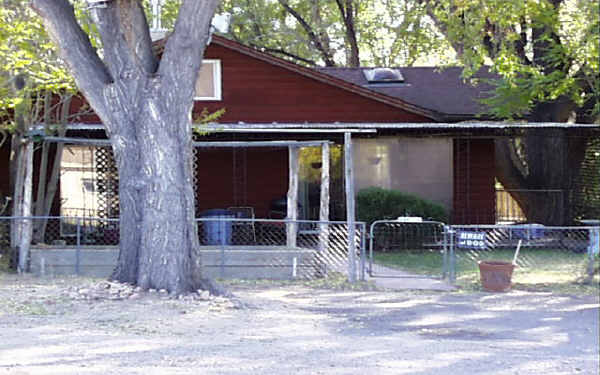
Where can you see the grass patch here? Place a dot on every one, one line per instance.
(538, 269)
(417, 262)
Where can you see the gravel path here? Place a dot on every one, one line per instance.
(79, 326)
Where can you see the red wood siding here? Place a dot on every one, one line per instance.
(266, 179)
(256, 91)
(474, 176)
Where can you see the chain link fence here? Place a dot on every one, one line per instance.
(313, 250)
(548, 255)
(418, 248)
(231, 247)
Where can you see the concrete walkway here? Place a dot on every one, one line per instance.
(400, 280)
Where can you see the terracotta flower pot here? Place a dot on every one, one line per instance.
(495, 275)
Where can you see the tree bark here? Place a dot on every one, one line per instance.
(25, 224)
(347, 9)
(541, 176)
(145, 108)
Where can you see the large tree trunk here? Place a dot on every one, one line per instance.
(145, 107)
(539, 170)
(157, 199)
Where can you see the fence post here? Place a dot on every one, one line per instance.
(452, 271)
(371, 248)
(363, 233)
(222, 239)
(445, 256)
(593, 248)
(78, 247)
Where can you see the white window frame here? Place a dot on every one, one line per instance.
(216, 81)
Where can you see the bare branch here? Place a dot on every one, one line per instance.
(347, 12)
(91, 75)
(458, 47)
(126, 38)
(281, 51)
(182, 58)
(326, 54)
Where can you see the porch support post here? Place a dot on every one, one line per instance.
(26, 224)
(324, 202)
(350, 211)
(292, 197)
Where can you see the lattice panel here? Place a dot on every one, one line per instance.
(195, 167)
(107, 183)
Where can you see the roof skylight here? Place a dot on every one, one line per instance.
(383, 75)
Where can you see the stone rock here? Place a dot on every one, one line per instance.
(204, 295)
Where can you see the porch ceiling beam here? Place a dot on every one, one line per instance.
(106, 142)
(261, 144)
(79, 141)
(290, 130)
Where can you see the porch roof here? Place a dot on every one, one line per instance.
(365, 127)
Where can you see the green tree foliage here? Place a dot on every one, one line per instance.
(338, 32)
(30, 69)
(546, 51)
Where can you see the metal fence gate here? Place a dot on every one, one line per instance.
(405, 249)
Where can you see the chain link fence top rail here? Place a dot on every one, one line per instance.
(547, 254)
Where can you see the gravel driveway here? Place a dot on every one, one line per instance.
(82, 326)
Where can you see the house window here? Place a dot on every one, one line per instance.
(208, 85)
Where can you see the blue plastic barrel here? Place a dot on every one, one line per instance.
(217, 232)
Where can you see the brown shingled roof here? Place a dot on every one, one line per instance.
(440, 90)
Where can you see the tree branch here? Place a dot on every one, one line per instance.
(326, 54)
(522, 42)
(429, 10)
(91, 75)
(182, 58)
(137, 34)
(114, 26)
(283, 52)
(347, 13)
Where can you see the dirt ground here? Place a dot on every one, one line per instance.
(83, 326)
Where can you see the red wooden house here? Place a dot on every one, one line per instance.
(414, 143)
